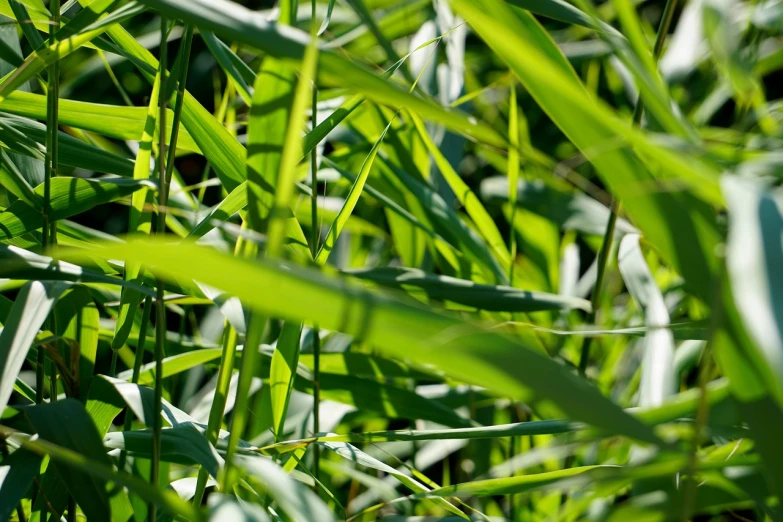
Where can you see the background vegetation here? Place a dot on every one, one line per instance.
(407, 260)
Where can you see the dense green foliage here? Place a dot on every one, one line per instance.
(400, 260)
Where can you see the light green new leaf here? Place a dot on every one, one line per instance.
(173, 365)
(279, 221)
(473, 246)
(266, 137)
(508, 486)
(230, 205)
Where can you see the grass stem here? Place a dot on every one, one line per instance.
(160, 321)
(137, 362)
(314, 240)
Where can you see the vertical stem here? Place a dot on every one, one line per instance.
(595, 300)
(703, 408)
(222, 385)
(113, 366)
(160, 322)
(314, 239)
(184, 59)
(255, 332)
(138, 359)
(316, 398)
(513, 177)
(50, 166)
(606, 246)
(218, 408)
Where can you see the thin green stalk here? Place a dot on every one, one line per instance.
(703, 407)
(184, 59)
(52, 124)
(595, 300)
(160, 322)
(137, 361)
(226, 369)
(50, 164)
(113, 366)
(606, 245)
(513, 176)
(314, 239)
(114, 80)
(316, 398)
(218, 407)
(255, 332)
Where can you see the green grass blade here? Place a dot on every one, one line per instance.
(237, 71)
(70, 196)
(465, 196)
(461, 293)
(398, 329)
(27, 316)
(28, 30)
(282, 371)
(124, 123)
(350, 202)
(354, 454)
